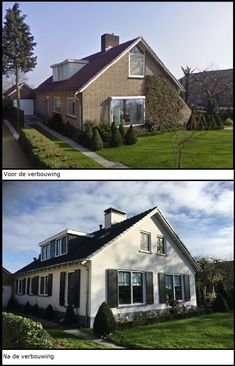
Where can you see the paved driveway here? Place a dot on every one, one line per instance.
(13, 157)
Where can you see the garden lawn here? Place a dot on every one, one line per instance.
(84, 161)
(211, 150)
(214, 331)
(68, 341)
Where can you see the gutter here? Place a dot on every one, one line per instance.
(81, 108)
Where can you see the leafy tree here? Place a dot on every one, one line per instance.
(17, 48)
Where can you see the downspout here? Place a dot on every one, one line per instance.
(87, 292)
(81, 109)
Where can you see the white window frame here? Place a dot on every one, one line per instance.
(59, 109)
(126, 97)
(131, 285)
(47, 246)
(74, 101)
(44, 287)
(20, 287)
(59, 252)
(150, 243)
(164, 243)
(173, 284)
(129, 65)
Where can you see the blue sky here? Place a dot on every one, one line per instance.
(201, 212)
(198, 34)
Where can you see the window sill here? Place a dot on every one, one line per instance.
(145, 251)
(131, 305)
(135, 77)
(71, 116)
(161, 254)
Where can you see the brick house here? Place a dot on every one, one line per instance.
(107, 86)
(134, 264)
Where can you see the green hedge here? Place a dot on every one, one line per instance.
(23, 333)
(43, 152)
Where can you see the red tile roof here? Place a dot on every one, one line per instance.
(97, 62)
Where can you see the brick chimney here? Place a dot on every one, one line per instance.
(108, 41)
(113, 216)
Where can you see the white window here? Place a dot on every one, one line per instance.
(20, 287)
(145, 244)
(61, 246)
(44, 285)
(127, 110)
(71, 107)
(130, 288)
(161, 245)
(173, 287)
(57, 106)
(45, 252)
(136, 63)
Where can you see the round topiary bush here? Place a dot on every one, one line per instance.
(220, 304)
(130, 138)
(104, 322)
(96, 142)
(116, 138)
(49, 313)
(27, 308)
(69, 316)
(24, 333)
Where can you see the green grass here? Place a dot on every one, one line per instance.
(214, 331)
(84, 161)
(68, 341)
(211, 150)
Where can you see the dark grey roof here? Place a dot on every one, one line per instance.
(83, 247)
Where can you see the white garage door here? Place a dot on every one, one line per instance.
(27, 105)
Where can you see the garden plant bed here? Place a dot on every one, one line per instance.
(213, 331)
(211, 150)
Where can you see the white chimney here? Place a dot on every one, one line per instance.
(113, 216)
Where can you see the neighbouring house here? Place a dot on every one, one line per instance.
(107, 86)
(27, 98)
(204, 85)
(7, 285)
(134, 264)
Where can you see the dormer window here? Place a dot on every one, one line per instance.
(136, 63)
(61, 246)
(46, 252)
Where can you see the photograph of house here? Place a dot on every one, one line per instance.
(108, 86)
(134, 264)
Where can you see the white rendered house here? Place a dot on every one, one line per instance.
(133, 264)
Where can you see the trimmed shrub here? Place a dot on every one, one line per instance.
(49, 313)
(12, 305)
(56, 123)
(86, 134)
(116, 138)
(69, 316)
(35, 310)
(105, 132)
(24, 333)
(44, 153)
(104, 322)
(220, 304)
(96, 142)
(27, 308)
(122, 130)
(130, 138)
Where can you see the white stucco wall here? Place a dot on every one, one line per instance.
(43, 301)
(124, 254)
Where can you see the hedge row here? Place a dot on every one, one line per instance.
(43, 152)
(23, 333)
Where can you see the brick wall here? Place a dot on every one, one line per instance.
(41, 107)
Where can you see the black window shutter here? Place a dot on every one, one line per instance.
(35, 285)
(50, 282)
(187, 295)
(16, 288)
(62, 288)
(41, 285)
(149, 288)
(52, 249)
(161, 287)
(112, 287)
(28, 285)
(77, 289)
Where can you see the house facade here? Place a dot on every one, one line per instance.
(135, 264)
(7, 286)
(108, 86)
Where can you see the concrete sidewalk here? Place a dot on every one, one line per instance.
(13, 157)
(90, 154)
